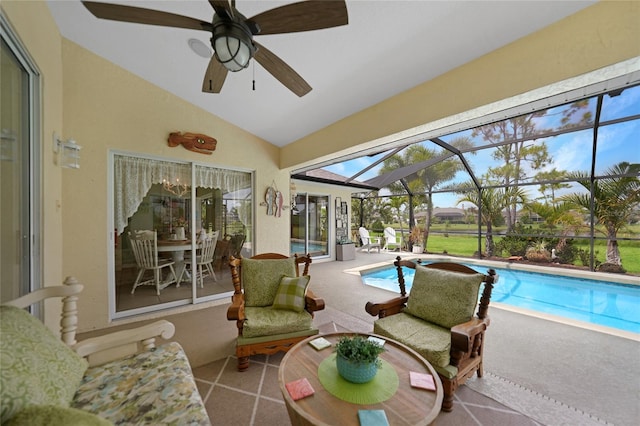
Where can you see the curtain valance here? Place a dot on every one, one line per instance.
(134, 176)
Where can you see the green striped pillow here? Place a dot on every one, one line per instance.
(291, 293)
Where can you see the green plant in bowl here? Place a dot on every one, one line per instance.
(357, 358)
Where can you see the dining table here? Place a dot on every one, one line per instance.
(177, 249)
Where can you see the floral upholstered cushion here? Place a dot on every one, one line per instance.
(36, 366)
(153, 387)
(444, 298)
(268, 322)
(429, 340)
(291, 293)
(54, 415)
(261, 278)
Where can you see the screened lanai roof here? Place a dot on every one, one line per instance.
(537, 150)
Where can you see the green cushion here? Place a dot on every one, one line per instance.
(267, 321)
(291, 293)
(429, 340)
(261, 278)
(37, 368)
(54, 415)
(442, 297)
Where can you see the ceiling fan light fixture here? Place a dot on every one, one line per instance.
(233, 46)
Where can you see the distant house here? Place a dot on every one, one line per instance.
(444, 214)
(449, 214)
(526, 216)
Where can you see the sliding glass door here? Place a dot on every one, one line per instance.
(20, 165)
(310, 225)
(180, 205)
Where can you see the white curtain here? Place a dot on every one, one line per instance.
(134, 176)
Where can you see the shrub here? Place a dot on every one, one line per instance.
(377, 226)
(538, 253)
(611, 267)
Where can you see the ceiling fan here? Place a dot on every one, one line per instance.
(232, 34)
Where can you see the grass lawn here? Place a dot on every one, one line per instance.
(467, 245)
(463, 245)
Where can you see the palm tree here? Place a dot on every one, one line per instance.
(492, 203)
(614, 200)
(561, 214)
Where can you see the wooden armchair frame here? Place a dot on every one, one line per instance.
(235, 312)
(467, 339)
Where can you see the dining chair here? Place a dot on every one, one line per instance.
(145, 251)
(204, 261)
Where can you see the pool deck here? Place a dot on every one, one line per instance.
(556, 371)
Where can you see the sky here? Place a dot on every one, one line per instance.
(571, 152)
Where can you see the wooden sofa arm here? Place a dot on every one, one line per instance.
(69, 316)
(389, 307)
(312, 302)
(119, 344)
(235, 311)
(463, 335)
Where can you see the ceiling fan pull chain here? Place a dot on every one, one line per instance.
(254, 76)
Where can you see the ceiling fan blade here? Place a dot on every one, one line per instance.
(302, 16)
(281, 71)
(138, 15)
(222, 7)
(214, 76)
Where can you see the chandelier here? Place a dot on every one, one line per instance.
(178, 189)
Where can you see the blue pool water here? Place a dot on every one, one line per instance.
(598, 302)
(298, 247)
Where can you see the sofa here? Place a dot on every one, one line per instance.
(119, 378)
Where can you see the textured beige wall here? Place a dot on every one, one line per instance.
(601, 35)
(39, 34)
(107, 108)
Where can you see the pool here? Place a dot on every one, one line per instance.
(314, 248)
(597, 302)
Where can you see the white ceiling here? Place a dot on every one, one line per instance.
(387, 48)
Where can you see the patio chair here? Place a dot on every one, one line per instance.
(367, 242)
(271, 304)
(390, 239)
(436, 319)
(145, 251)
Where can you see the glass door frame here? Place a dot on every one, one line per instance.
(111, 262)
(31, 173)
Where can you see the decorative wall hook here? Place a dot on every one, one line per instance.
(196, 142)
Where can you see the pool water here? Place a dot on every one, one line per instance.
(597, 302)
(298, 247)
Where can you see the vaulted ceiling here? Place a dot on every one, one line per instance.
(387, 48)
